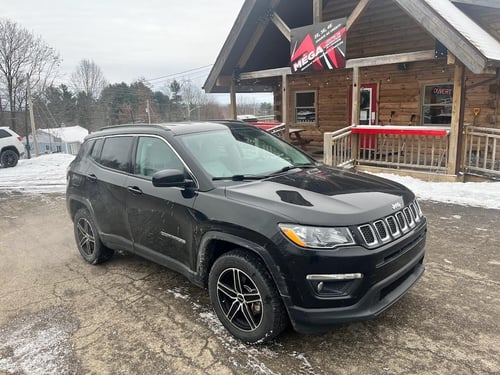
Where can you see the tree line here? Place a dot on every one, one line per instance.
(29, 66)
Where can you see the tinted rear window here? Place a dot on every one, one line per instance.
(116, 153)
(84, 150)
(96, 150)
(4, 133)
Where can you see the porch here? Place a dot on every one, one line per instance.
(420, 151)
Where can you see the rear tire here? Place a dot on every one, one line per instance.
(9, 159)
(87, 239)
(245, 298)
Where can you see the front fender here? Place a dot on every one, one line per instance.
(204, 257)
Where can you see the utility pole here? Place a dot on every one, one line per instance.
(32, 118)
(26, 130)
(147, 110)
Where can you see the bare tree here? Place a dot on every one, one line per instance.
(23, 57)
(88, 78)
(194, 99)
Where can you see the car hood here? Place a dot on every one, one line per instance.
(324, 196)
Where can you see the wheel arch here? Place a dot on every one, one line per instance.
(215, 244)
(74, 204)
(11, 148)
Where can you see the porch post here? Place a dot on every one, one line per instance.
(456, 120)
(284, 105)
(355, 96)
(317, 11)
(232, 95)
(355, 110)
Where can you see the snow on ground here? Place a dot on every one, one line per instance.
(43, 174)
(477, 194)
(47, 174)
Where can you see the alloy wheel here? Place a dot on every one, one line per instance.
(86, 239)
(239, 299)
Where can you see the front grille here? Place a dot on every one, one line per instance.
(391, 227)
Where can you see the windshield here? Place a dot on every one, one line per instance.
(243, 152)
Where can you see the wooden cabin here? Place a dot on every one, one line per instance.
(408, 85)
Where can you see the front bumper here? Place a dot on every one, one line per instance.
(388, 273)
(378, 299)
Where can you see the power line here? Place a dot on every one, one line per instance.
(180, 73)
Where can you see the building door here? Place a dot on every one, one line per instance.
(367, 104)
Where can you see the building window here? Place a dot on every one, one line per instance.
(437, 104)
(305, 107)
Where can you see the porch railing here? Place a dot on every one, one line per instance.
(337, 148)
(407, 147)
(482, 151)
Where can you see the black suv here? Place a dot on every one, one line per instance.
(273, 234)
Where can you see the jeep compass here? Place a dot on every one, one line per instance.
(275, 236)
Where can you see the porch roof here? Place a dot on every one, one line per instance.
(468, 29)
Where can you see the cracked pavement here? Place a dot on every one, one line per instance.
(60, 315)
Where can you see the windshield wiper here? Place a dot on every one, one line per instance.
(243, 177)
(294, 166)
(237, 177)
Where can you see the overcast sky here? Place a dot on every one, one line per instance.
(129, 39)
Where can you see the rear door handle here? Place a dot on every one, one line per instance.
(134, 190)
(92, 177)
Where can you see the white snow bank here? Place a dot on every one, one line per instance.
(42, 174)
(477, 194)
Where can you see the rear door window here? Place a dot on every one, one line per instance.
(116, 153)
(4, 133)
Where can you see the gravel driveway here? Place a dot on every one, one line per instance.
(61, 315)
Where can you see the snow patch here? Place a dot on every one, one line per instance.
(177, 293)
(43, 174)
(38, 344)
(464, 194)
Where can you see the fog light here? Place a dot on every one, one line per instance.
(320, 286)
(335, 285)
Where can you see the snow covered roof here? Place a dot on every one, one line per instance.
(477, 36)
(70, 134)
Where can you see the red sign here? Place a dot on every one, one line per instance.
(319, 47)
(442, 90)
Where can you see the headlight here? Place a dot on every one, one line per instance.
(317, 237)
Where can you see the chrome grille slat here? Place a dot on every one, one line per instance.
(382, 231)
(393, 226)
(403, 225)
(409, 217)
(368, 234)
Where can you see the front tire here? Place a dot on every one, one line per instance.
(87, 239)
(245, 298)
(9, 159)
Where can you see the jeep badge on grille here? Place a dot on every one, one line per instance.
(396, 206)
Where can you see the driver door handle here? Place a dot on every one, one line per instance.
(134, 190)
(92, 177)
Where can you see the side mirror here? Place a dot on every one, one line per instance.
(171, 178)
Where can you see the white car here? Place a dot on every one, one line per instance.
(11, 147)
